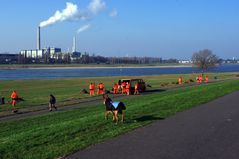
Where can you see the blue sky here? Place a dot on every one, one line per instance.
(157, 28)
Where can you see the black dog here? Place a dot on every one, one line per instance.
(114, 108)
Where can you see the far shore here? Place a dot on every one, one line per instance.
(105, 67)
(88, 67)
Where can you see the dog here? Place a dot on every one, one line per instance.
(113, 107)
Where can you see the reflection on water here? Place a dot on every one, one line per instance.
(25, 73)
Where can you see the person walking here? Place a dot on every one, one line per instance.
(52, 102)
(14, 98)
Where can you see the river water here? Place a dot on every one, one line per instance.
(53, 73)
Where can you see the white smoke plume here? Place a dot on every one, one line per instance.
(71, 12)
(96, 6)
(83, 28)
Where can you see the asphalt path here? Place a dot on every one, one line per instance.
(208, 131)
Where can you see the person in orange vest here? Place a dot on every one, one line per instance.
(136, 88)
(200, 79)
(119, 87)
(14, 98)
(206, 79)
(180, 80)
(115, 88)
(123, 87)
(128, 88)
(197, 79)
(100, 88)
(92, 89)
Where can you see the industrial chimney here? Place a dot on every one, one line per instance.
(39, 38)
(74, 44)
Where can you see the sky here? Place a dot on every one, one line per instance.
(153, 28)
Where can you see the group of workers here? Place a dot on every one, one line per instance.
(100, 89)
(199, 79)
(123, 88)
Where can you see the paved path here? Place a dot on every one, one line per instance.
(209, 131)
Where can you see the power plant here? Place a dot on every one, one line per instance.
(48, 54)
(42, 55)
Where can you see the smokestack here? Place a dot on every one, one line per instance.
(39, 38)
(74, 44)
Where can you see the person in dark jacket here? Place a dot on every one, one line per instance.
(52, 102)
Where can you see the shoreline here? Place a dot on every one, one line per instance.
(92, 67)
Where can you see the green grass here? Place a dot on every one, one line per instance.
(60, 134)
(36, 92)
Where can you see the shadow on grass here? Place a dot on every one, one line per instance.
(155, 90)
(148, 118)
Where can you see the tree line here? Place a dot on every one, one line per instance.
(203, 59)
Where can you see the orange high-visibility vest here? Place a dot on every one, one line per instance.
(179, 80)
(206, 78)
(101, 86)
(115, 86)
(128, 86)
(136, 86)
(92, 86)
(14, 95)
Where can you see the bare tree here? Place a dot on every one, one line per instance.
(204, 59)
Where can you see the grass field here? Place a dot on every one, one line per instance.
(62, 133)
(36, 92)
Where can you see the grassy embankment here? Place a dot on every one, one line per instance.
(60, 134)
(36, 92)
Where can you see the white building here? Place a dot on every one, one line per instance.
(38, 54)
(185, 61)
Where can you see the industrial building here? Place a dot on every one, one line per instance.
(49, 54)
(41, 53)
(45, 55)
(6, 58)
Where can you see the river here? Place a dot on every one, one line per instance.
(53, 73)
